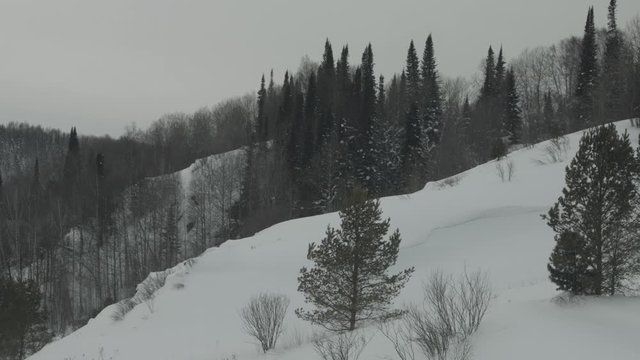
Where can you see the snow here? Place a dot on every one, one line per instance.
(481, 222)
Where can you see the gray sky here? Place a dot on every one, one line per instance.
(100, 65)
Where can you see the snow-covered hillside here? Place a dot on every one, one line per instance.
(476, 220)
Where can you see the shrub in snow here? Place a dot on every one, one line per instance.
(442, 325)
(555, 151)
(505, 170)
(400, 333)
(344, 346)
(263, 318)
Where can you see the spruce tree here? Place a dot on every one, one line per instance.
(385, 152)
(414, 156)
(412, 71)
(326, 92)
(512, 112)
(595, 254)
(261, 121)
(489, 86)
(432, 104)
(350, 284)
(311, 134)
(364, 163)
(613, 82)
(584, 108)
(368, 90)
(343, 84)
(500, 72)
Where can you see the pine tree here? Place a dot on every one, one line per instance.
(594, 252)
(587, 77)
(432, 104)
(567, 266)
(512, 113)
(350, 284)
(613, 82)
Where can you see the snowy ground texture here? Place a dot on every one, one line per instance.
(476, 221)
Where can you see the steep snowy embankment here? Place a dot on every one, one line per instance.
(480, 221)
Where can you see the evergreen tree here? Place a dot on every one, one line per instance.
(22, 322)
(382, 99)
(432, 103)
(285, 112)
(414, 156)
(635, 105)
(489, 87)
(512, 113)
(350, 282)
(487, 126)
(368, 90)
(385, 149)
(587, 77)
(594, 252)
(466, 131)
(262, 123)
(326, 92)
(343, 92)
(301, 140)
(412, 71)
(71, 171)
(567, 266)
(613, 82)
(500, 72)
(311, 133)
(364, 162)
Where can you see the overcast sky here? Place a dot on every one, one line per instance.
(100, 65)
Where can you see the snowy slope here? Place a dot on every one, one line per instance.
(480, 222)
